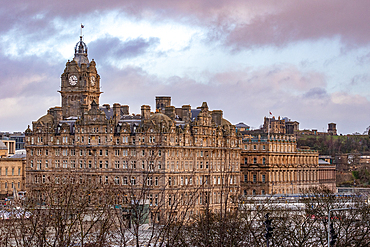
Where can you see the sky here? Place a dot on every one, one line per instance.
(305, 60)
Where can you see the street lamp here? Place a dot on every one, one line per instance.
(331, 231)
(269, 229)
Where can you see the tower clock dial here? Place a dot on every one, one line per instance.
(92, 79)
(73, 80)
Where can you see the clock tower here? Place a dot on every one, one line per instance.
(80, 83)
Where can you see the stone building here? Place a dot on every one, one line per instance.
(12, 172)
(332, 129)
(174, 152)
(280, 126)
(272, 164)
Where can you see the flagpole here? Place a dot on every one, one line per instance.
(82, 26)
(268, 129)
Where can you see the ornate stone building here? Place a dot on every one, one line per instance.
(172, 152)
(272, 164)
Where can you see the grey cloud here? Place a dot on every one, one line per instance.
(113, 48)
(25, 77)
(360, 79)
(316, 93)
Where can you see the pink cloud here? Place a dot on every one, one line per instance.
(243, 23)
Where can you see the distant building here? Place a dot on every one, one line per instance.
(274, 126)
(280, 126)
(274, 165)
(242, 127)
(332, 129)
(12, 172)
(18, 137)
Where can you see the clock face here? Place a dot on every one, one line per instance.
(73, 80)
(92, 79)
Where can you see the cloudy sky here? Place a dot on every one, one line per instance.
(306, 60)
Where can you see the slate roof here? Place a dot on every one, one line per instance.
(18, 156)
(241, 125)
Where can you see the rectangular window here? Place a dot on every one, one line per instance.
(245, 178)
(245, 161)
(19, 171)
(116, 164)
(46, 163)
(100, 164)
(254, 178)
(263, 178)
(106, 164)
(254, 160)
(65, 163)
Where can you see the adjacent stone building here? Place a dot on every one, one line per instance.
(272, 164)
